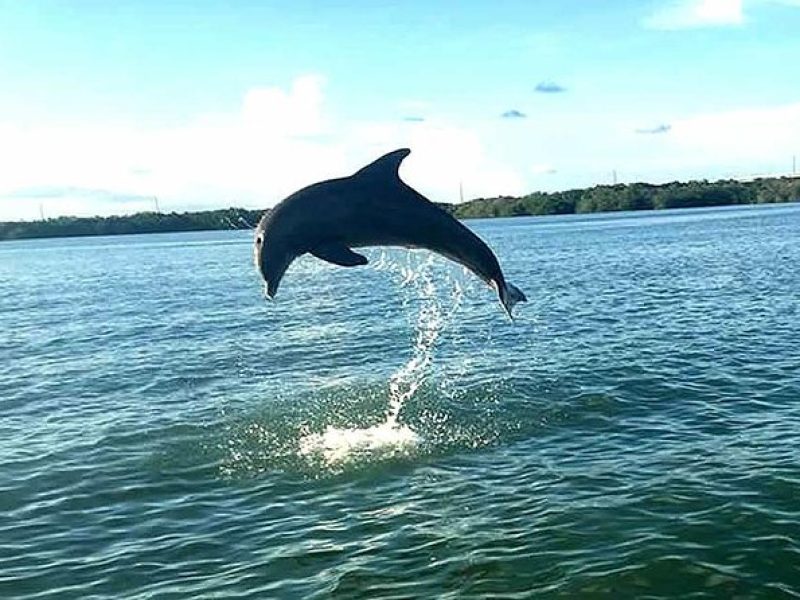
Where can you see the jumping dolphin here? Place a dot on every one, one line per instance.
(373, 207)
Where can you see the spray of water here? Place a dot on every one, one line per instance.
(337, 447)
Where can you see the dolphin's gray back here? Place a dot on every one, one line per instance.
(418, 223)
(390, 213)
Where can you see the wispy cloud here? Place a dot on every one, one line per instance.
(543, 169)
(549, 87)
(513, 114)
(691, 14)
(413, 119)
(663, 128)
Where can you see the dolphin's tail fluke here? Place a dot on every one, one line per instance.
(509, 296)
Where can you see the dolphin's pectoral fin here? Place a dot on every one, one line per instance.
(339, 254)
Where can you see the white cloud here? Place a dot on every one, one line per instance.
(253, 157)
(275, 112)
(279, 141)
(745, 137)
(692, 14)
(685, 14)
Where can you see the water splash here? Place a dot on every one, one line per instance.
(337, 447)
(430, 322)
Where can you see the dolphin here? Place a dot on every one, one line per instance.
(372, 207)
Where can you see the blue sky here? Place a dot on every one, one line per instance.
(207, 104)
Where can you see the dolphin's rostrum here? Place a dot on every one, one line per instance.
(373, 207)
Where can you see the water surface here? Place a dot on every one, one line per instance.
(385, 432)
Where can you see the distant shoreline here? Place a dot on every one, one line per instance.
(601, 198)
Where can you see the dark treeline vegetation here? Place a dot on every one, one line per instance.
(636, 196)
(601, 198)
(146, 222)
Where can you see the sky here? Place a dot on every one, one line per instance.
(105, 106)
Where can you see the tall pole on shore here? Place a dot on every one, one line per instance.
(614, 176)
(155, 200)
(41, 211)
(794, 165)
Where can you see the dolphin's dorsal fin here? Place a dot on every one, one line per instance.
(385, 168)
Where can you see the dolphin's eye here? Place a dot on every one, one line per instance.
(258, 240)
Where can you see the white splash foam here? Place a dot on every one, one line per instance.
(337, 447)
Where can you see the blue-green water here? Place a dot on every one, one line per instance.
(385, 432)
